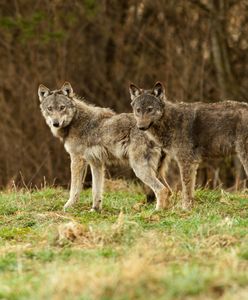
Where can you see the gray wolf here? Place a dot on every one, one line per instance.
(192, 132)
(97, 136)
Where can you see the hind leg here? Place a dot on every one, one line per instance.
(242, 153)
(188, 176)
(244, 161)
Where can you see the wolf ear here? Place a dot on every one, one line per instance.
(159, 91)
(43, 92)
(134, 91)
(67, 89)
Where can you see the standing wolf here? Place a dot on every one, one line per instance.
(190, 132)
(98, 136)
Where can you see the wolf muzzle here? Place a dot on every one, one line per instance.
(144, 127)
(55, 123)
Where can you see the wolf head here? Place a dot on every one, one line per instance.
(148, 105)
(57, 106)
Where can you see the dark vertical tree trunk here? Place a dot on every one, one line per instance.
(220, 52)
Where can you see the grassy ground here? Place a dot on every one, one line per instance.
(126, 252)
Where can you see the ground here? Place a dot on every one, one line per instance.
(129, 251)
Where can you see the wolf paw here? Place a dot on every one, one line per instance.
(187, 205)
(95, 209)
(66, 206)
(158, 208)
(163, 202)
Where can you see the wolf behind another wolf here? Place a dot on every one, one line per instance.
(98, 136)
(191, 132)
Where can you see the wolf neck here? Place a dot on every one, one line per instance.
(60, 133)
(86, 113)
(162, 130)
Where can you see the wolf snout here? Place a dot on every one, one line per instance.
(144, 126)
(55, 123)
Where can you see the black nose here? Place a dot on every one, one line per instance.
(56, 123)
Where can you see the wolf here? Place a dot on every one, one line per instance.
(191, 132)
(99, 137)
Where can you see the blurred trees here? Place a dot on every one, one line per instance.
(198, 48)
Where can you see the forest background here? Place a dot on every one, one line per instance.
(197, 48)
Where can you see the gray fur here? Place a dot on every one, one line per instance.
(191, 132)
(97, 136)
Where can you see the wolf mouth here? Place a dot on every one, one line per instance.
(145, 128)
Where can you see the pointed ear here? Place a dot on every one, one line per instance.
(159, 90)
(134, 91)
(67, 89)
(43, 92)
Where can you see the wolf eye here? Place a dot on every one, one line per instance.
(138, 110)
(150, 109)
(62, 107)
(50, 108)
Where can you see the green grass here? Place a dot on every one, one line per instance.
(129, 251)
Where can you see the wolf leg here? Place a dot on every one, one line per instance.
(97, 171)
(78, 168)
(148, 176)
(188, 177)
(162, 170)
(242, 151)
(244, 161)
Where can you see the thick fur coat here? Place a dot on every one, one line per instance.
(190, 132)
(97, 136)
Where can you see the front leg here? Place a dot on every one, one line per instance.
(78, 168)
(188, 175)
(148, 176)
(97, 171)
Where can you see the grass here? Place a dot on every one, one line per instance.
(129, 251)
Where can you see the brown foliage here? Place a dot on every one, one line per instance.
(197, 48)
